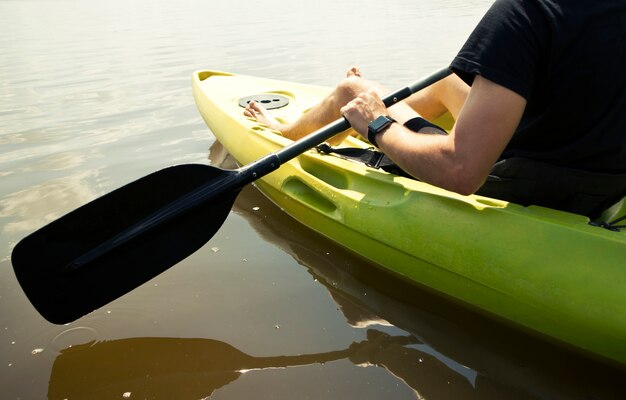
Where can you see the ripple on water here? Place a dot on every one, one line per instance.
(73, 336)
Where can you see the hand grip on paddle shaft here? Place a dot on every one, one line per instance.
(340, 125)
(109, 246)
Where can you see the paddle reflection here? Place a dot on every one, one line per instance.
(195, 368)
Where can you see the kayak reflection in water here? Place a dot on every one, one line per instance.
(195, 368)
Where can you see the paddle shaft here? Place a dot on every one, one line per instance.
(237, 179)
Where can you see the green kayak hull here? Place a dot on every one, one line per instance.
(547, 271)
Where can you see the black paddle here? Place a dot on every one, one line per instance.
(115, 243)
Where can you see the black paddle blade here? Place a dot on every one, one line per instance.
(40, 260)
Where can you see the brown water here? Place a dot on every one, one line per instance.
(96, 94)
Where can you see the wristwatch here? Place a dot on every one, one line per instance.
(379, 125)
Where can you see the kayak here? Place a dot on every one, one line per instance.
(547, 271)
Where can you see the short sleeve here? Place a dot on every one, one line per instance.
(506, 46)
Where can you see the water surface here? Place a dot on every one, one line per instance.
(96, 94)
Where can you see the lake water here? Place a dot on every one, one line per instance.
(96, 94)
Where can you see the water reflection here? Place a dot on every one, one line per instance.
(193, 368)
(171, 368)
(30, 208)
(57, 162)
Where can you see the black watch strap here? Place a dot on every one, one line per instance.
(379, 125)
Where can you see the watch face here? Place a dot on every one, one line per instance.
(380, 123)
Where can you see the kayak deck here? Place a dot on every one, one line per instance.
(546, 270)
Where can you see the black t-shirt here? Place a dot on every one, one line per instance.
(567, 58)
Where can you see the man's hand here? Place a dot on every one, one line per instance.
(365, 108)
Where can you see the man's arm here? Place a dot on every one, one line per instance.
(460, 161)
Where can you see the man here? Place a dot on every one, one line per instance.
(544, 121)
